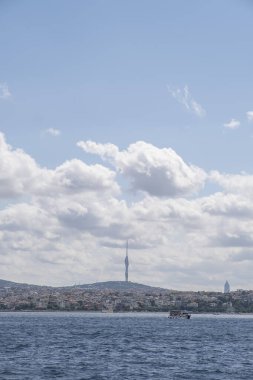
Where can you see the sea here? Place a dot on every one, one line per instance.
(134, 346)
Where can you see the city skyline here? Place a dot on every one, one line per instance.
(126, 120)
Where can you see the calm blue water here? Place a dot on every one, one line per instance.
(124, 346)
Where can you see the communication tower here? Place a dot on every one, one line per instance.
(126, 263)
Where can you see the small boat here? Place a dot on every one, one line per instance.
(175, 314)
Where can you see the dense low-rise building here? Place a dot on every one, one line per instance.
(123, 300)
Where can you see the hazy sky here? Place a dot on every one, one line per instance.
(127, 120)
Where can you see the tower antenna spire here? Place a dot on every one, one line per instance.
(126, 262)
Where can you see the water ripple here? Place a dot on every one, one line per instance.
(144, 346)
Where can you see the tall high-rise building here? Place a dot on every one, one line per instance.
(226, 287)
(126, 263)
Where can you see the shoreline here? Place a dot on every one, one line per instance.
(117, 313)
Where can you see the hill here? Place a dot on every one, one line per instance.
(11, 284)
(120, 286)
(4, 284)
(108, 285)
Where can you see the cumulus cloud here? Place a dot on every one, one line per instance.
(70, 224)
(250, 116)
(234, 183)
(17, 170)
(104, 150)
(25, 217)
(229, 205)
(4, 91)
(232, 124)
(75, 176)
(158, 172)
(20, 175)
(184, 97)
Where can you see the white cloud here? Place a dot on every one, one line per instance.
(227, 204)
(53, 132)
(69, 224)
(184, 97)
(76, 177)
(21, 176)
(103, 150)
(159, 172)
(232, 124)
(250, 116)
(4, 91)
(234, 183)
(18, 171)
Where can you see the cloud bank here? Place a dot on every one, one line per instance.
(69, 224)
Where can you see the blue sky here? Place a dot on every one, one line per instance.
(174, 74)
(99, 70)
